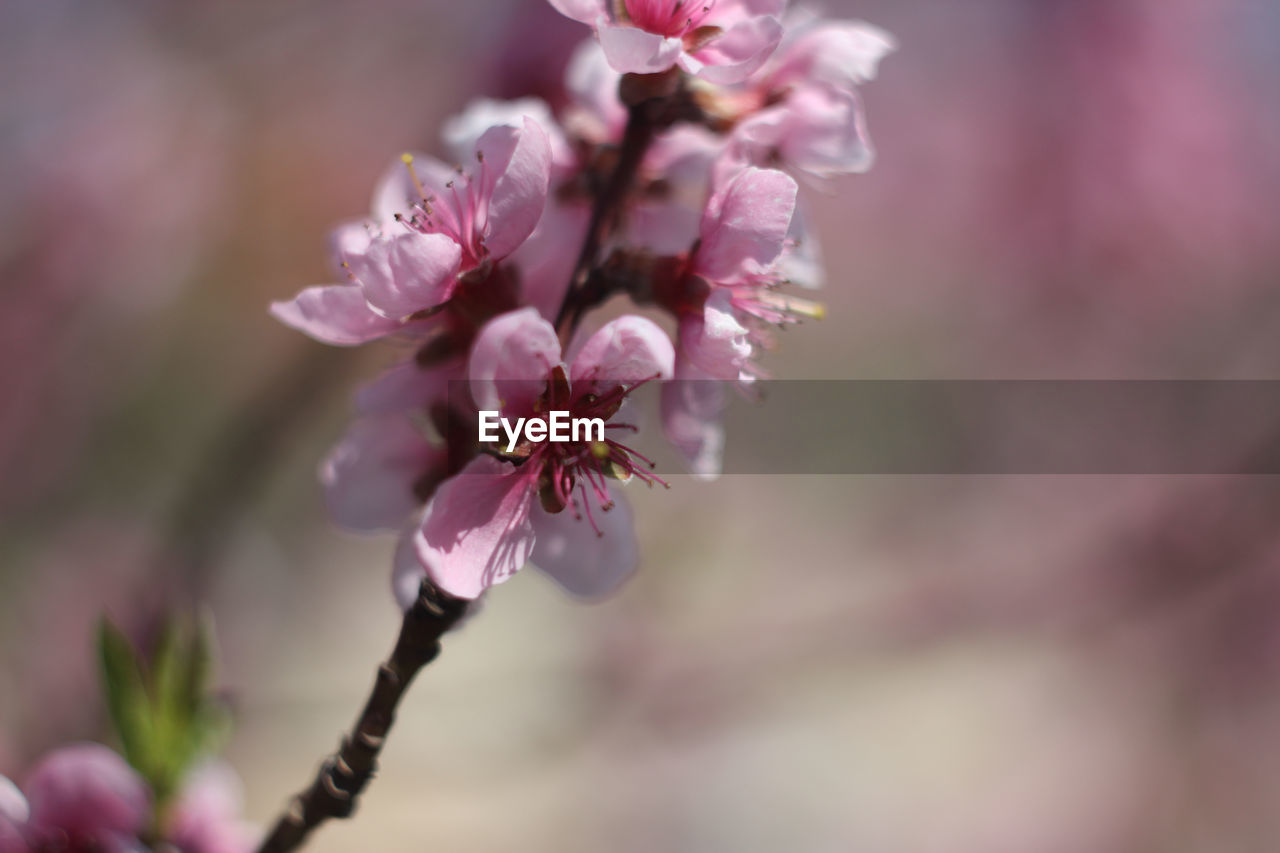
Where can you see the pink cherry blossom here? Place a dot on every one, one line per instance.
(723, 296)
(721, 41)
(85, 796)
(431, 226)
(674, 206)
(803, 110)
(483, 525)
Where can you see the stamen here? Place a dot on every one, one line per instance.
(407, 159)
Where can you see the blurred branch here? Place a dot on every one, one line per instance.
(345, 774)
(237, 462)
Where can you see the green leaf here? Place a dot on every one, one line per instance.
(127, 699)
(163, 714)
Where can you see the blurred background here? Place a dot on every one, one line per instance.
(1065, 189)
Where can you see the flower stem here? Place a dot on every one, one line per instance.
(655, 101)
(344, 774)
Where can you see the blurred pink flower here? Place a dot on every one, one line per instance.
(86, 797)
(206, 816)
(721, 42)
(371, 477)
(482, 526)
(803, 110)
(82, 796)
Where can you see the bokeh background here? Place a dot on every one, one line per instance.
(1065, 189)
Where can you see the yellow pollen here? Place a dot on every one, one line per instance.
(407, 159)
(795, 305)
(600, 450)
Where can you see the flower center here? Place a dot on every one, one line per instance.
(566, 467)
(671, 18)
(461, 212)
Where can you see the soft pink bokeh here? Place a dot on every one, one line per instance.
(1063, 188)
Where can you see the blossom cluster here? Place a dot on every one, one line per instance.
(669, 177)
(86, 797)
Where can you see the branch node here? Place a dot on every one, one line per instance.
(344, 774)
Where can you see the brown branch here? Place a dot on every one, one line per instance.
(342, 777)
(654, 102)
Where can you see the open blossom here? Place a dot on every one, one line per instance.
(542, 500)
(721, 41)
(722, 295)
(802, 111)
(730, 274)
(432, 227)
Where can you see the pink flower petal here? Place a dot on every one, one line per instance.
(736, 53)
(684, 156)
(409, 387)
(593, 89)
(334, 314)
(826, 134)
(407, 571)
(462, 132)
(13, 816)
(842, 54)
(772, 8)
(586, 564)
(11, 840)
(13, 805)
(544, 265)
(369, 476)
(476, 530)
(89, 792)
(624, 351)
(510, 361)
(522, 159)
(692, 419)
(206, 816)
(407, 272)
(585, 11)
(715, 342)
(801, 263)
(348, 239)
(745, 225)
(634, 51)
(662, 227)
